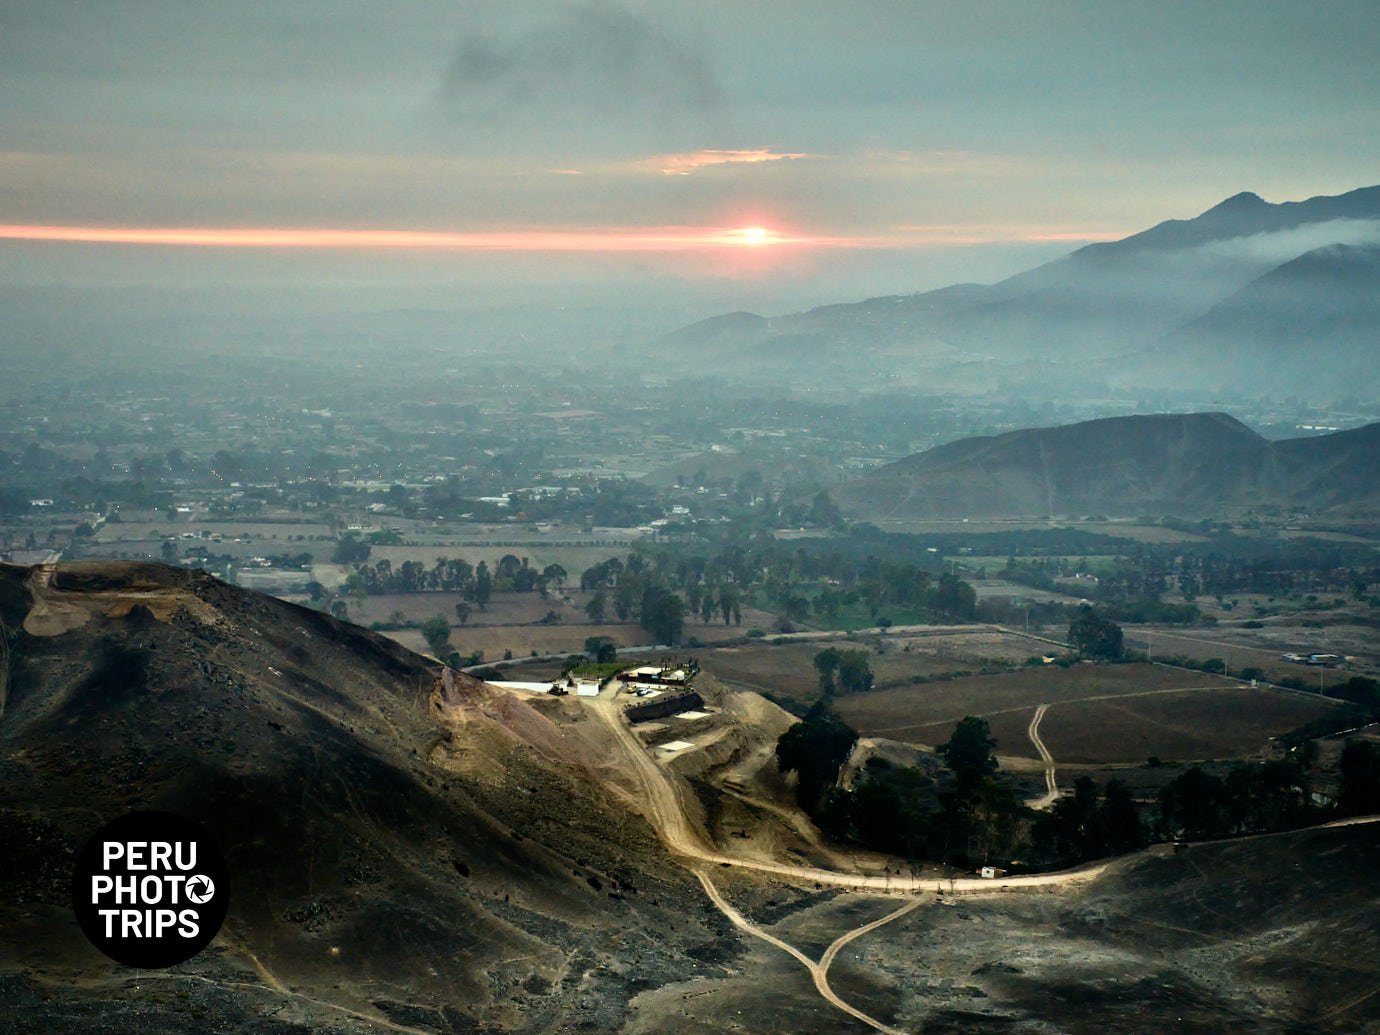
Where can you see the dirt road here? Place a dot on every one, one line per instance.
(819, 972)
(668, 816)
(1051, 787)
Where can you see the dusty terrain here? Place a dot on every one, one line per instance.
(412, 857)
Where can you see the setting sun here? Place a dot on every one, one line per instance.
(754, 235)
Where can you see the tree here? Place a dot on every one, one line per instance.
(1360, 769)
(436, 632)
(482, 588)
(340, 609)
(815, 748)
(969, 751)
(663, 614)
(594, 607)
(855, 674)
(600, 649)
(1094, 636)
(462, 612)
(1121, 824)
(354, 586)
(826, 664)
(350, 550)
(728, 604)
(1194, 804)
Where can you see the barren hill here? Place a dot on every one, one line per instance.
(389, 864)
(412, 854)
(1181, 464)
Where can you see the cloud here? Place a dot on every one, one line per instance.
(585, 60)
(688, 162)
(1283, 245)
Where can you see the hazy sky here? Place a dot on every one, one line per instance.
(901, 145)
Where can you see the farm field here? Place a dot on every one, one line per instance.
(503, 609)
(1229, 722)
(1100, 714)
(1261, 648)
(570, 638)
(788, 671)
(920, 713)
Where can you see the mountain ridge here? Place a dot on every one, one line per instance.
(1158, 464)
(1106, 307)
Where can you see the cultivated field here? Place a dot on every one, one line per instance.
(1099, 714)
(1230, 722)
(509, 623)
(1261, 648)
(787, 670)
(918, 712)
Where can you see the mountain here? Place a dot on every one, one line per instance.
(398, 855)
(1193, 464)
(1315, 318)
(1165, 293)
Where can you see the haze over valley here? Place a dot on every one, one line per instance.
(638, 518)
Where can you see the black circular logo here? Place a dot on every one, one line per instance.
(150, 889)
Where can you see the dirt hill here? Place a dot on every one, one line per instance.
(389, 863)
(1195, 464)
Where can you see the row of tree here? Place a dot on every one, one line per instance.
(456, 575)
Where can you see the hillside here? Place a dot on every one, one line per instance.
(1165, 464)
(410, 856)
(389, 863)
(1317, 317)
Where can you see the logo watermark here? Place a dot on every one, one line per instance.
(150, 889)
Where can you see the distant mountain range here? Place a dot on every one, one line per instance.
(1186, 465)
(1294, 284)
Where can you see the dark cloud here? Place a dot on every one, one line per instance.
(589, 60)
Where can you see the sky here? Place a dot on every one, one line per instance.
(721, 152)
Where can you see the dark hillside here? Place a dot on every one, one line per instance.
(369, 869)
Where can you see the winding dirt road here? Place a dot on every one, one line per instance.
(667, 814)
(1051, 786)
(819, 972)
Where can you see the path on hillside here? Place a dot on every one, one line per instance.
(819, 972)
(666, 811)
(668, 815)
(1051, 787)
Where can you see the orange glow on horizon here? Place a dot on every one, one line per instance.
(612, 239)
(550, 240)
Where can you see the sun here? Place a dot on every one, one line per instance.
(753, 236)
